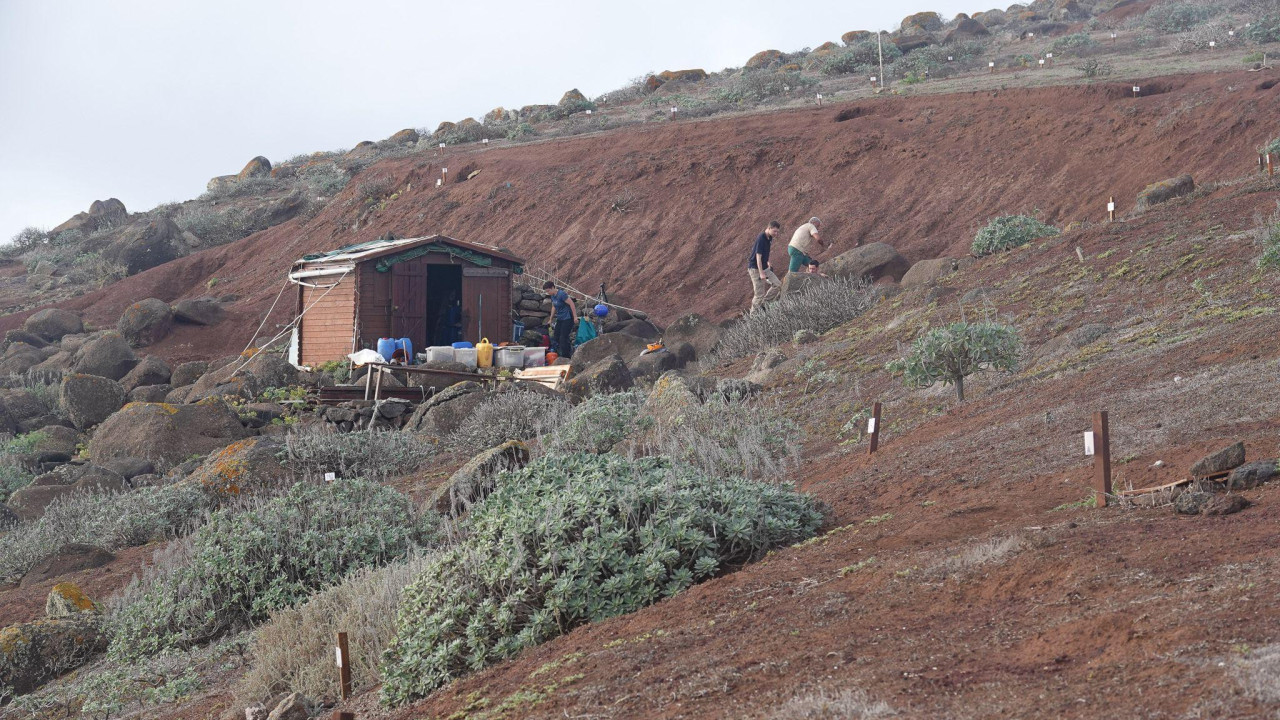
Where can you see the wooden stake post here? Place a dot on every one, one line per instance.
(1271, 167)
(344, 666)
(873, 429)
(339, 715)
(1111, 209)
(1101, 459)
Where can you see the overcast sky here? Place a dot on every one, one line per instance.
(145, 100)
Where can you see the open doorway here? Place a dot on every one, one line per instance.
(444, 304)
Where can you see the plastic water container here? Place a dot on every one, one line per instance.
(517, 331)
(440, 353)
(406, 345)
(466, 356)
(535, 357)
(484, 353)
(386, 348)
(511, 356)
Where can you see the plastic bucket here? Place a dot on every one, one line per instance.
(535, 357)
(466, 356)
(440, 353)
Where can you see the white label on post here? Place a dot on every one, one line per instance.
(1137, 89)
(1231, 33)
(950, 58)
(1213, 43)
(337, 654)
(1088, 443)
(1111, 207)
(1030, 35)
(991, 64)
(588, 112)
(330, 477)
(1049, 55)
(871, 426)
(1042, 61)
(873, 78)
(819, 96)
(673, 109)
(444, 171)
(786, 88)
(486, 140)
(439, 182)
(441, 146)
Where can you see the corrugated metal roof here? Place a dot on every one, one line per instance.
(377, 248)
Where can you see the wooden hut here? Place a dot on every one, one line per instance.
(433, 290)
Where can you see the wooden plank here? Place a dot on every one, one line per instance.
(1101, 458)
(1157, 488)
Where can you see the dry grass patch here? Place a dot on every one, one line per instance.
(978, 555)
(843, 705)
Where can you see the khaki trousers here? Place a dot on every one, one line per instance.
(763, 289)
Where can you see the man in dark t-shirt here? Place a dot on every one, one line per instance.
(564, 317)
(765, 285)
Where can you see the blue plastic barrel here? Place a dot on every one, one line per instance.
(406, 345)
(386, 347)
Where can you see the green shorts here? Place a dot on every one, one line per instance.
(798, 259)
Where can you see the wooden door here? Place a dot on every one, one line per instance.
(409, 302)
(486, 304)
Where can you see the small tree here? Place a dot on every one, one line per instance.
(952, 353)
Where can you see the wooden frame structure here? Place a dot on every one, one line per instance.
(350, 297)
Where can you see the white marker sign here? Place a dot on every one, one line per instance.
(588, 112)
(1088, 443)
(439, 182)
(1111, 207)
(873, 78)
(1213, 43)
(337, 654)
(991, 64)
(1049, 55)
(871, 426)
(330, 477)
(950, 58)
(1042, 62)
(486, 140)
(673, 109)
(441, 146)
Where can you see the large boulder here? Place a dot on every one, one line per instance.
(872, 262)
(52, 324)
(652, 365)
(966, 29)
(143, 246)
(696, 331)
(108, 356)
(693, 75)
(921, 22)
(66, 599)
(166, 434)
(609, 375)
(475, 480)
(911, 43)
(200, 311)
(248, 465)
(102, 214)
(624, 345)
(29, 503)
(1228, 458)
(187, 373)
(90, 399)
(927, 272)
(407, 136)
(245, 379)
(20, 357)
(52, 444)
(856, 36)
(151, 370)
(765, 59)
(145, 322)
(22, 336)
(257, 167)
(34, 653)
(639, 328)
(1166, 190)
(445, 412)
(67, 559)
(572, 97)
(1251, 475)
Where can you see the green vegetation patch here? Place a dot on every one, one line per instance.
(1009, 231)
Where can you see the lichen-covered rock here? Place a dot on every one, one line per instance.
(407, 136)
(927, 272)
(798, 282)
(52, 324)
(1228, 458)
(188, 372)
(609, 375)
(151, 370)
(66, 599)
(693, 75)
(145, 322)
(872, 262)
(143, 246)
(33, 653)
(1251, 475)
(293, 707)
(966, 29)
(29, 503)
(166, 434)
(856, 36)
(248, 465)
(1166, 190)
(696, 330)
(624, 345)
(90, 399)
(651, 365)
(921, 22)
(444, 128)
(257, 167)
(108, 356)
(497, 116)
(199, 311)
(571, 97)
(911, 43)
(475, 480)
(245, 379)
(765, 59)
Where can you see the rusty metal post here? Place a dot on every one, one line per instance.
(344, 666)
(874, 429)
(1101, 458)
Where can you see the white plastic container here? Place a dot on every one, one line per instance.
(440, 353)
(535, 357)
(466, 356)
(511, 356)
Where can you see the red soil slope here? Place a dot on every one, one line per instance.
(919, 173)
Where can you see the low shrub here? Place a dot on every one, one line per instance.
(240, 566)
(508, 416)
(294, 651)
(725, 436)
(1264, 29)
(952, 353)
(598, 423)
(755, 86)
(859, 57)
(574, 539)
(1093, 68)
(1007, 232)
(1269, 236)
(844, 704)
(13, 476)
(326, 179)
(821, 307)
(1178, 17)
(108, 520)
(312, 452)
(1075, 41)
(521, 131)
(214, 225)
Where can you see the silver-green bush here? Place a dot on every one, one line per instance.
(507, 416)
(312, 452)
(239, 567)
(598, 423)
(574, 539)
(1009, 231)
(952, 353)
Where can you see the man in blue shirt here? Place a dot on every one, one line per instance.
(765, 285)
(564, 318)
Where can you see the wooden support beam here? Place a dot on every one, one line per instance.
(874, 429)
(1101, 458)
